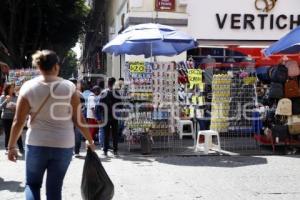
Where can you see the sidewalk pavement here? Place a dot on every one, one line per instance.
(162, 177)
(176, 177)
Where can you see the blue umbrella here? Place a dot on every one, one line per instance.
(288, 44)
(150, 40)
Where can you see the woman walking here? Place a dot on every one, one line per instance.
(8, 106)
(54, 108)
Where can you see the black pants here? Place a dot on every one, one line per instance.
(7, 123)
(113, 127)
(77, 140)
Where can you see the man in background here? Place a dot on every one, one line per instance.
(109, 97)
(78, 137)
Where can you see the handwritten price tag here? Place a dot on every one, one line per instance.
(195, 78)
(137, 67)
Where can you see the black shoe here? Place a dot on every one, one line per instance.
(110, 148)
(77, 155)
(105, 153)
(116, 153)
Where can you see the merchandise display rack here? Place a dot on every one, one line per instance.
(139, 77)
(152, 93)
(192, 97)
(233, 105)
(241, 112)
(166, 110)
(19, 76)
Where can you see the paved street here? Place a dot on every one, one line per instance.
(178, 178)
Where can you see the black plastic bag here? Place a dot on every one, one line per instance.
(95, 183)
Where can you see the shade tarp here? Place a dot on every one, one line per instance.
(150, 40)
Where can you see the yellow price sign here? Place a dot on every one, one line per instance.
(195, 77)
(137, 67)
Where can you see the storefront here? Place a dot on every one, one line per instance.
(232, 35)
(227, 85)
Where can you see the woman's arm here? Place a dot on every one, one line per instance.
(22, 110)
(79, 120)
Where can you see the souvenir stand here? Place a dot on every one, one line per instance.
(19, 76)
(233, 105)
(192, 97)
(153, 96)
(138, 77)
(224, 101)
(166, 110)
(151, 40)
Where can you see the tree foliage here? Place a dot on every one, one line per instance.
(69, 66)
(29, 25)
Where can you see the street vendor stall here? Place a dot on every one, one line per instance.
(19, 76)
(153, 84)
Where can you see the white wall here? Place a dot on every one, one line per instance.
(137, 8)
(149, 6)
(204, 26)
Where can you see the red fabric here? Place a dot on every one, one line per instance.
(93, 129)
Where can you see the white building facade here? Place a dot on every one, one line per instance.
(124, 13)
(241, 22)
(251, 23)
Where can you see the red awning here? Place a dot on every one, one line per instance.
(261, 60)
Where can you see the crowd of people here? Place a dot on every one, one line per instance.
(92, 98)
(98, 109)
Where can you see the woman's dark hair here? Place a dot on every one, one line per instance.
(45, 60)
(7, 88)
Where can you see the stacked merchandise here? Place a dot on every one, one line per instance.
(21, 75)
(191, 91)
(164, 99)
(139, 77)
(220, 102)
(153, 94)
(282, 102)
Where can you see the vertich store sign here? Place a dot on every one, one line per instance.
(164, 5)
(242, 20)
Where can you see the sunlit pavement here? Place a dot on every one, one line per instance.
(172, 178)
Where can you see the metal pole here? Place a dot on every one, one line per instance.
(120, 66)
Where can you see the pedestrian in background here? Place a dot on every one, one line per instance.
(91, 114)
(99, 118)
(8, 106)
(119, 88)
(52, 104)
(109, 97)
(86, 91)
(78, 137)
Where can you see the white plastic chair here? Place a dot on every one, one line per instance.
(185, 128)
(208, 141)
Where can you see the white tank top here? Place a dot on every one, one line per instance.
(53, 126)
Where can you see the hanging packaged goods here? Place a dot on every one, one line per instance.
(152, 94)
(19, 76)
(244, 105)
